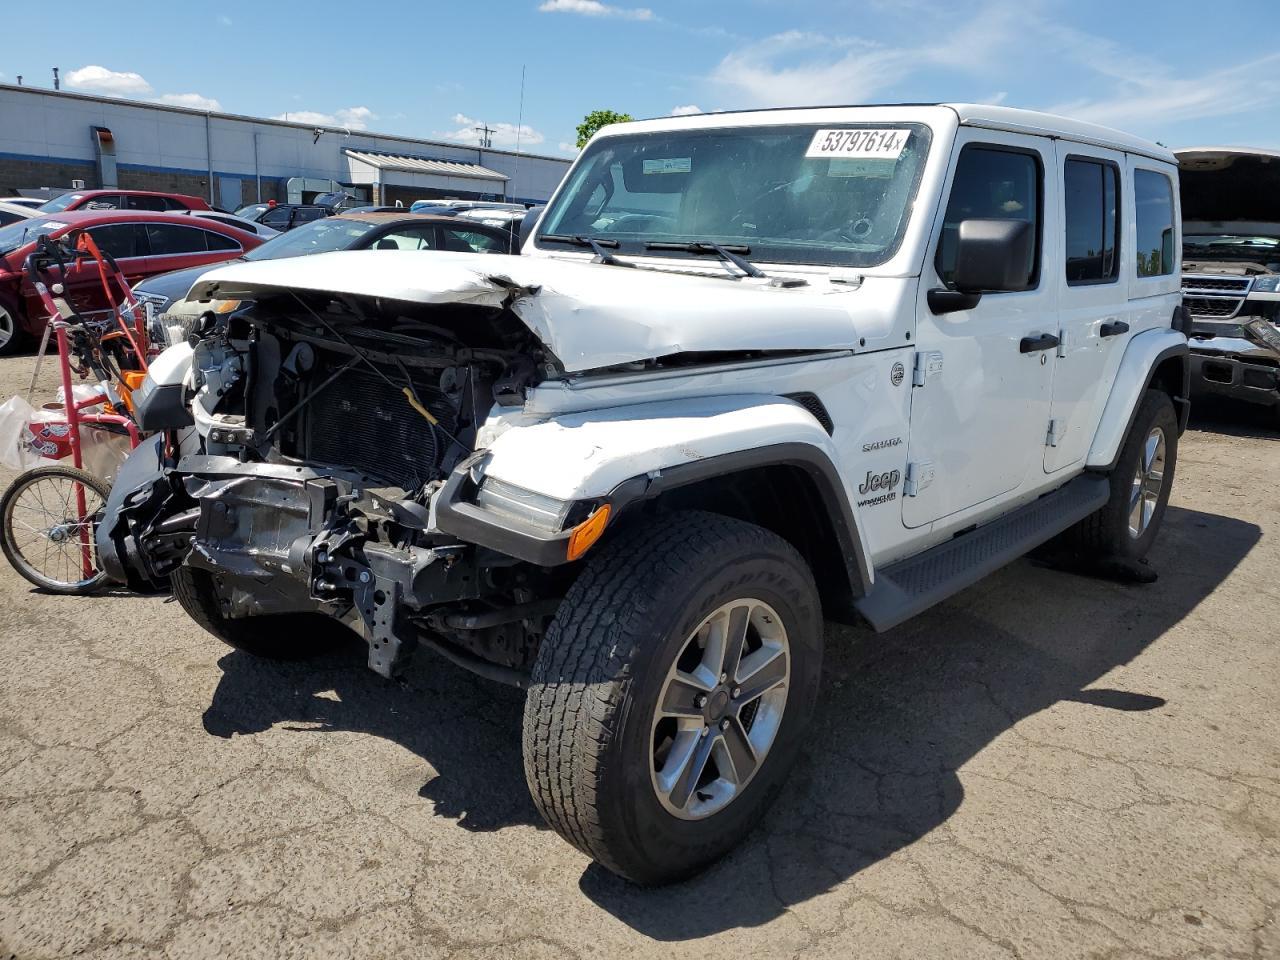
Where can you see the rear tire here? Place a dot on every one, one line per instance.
(619, 765)
(1141, 482)
(287, 636)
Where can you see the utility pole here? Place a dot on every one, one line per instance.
(485, 140)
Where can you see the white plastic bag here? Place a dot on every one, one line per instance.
(16, 451)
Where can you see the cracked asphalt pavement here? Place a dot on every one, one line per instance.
(1046, 766)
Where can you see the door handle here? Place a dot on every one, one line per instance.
(1041, 341)
(1113, 328)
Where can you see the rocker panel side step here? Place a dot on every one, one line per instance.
(913, 585)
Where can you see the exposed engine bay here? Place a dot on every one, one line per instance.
(329, 423)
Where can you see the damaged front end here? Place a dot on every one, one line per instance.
(330, 425)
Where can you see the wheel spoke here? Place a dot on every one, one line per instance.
(680, 699)
(1149, 453)
(692, 764)
(735, 635)
(742, 756)
(764, 669)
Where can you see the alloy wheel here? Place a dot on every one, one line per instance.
(1148, 481)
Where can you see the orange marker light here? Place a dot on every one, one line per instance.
(587, 533)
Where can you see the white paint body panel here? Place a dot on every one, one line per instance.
(1126, 391)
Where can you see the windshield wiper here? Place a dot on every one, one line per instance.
(727, 253)
(597, 247)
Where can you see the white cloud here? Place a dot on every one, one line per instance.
(500, 134)
(799, 68)
(686, 110)
(224, 20)
(567, 147)
(594, 8)
(354, 118)
(193, 100)
(101, 80)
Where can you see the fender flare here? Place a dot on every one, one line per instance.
(1143, 356)
(627, 455)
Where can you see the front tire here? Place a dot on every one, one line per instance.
(1141, 483)
(286, 636)
(670, 694)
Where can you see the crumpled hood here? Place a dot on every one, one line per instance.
(588, 315)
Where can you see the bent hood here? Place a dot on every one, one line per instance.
(589, 315)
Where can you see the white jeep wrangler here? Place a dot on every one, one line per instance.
(752, 370)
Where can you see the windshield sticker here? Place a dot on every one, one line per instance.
(858, 144)
(669, 165)
(877, 169)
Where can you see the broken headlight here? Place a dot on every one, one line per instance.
(523, 506)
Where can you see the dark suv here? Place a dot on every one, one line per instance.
(284, 216)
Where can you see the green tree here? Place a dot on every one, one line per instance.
(596, 119)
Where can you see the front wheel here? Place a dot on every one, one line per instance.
(12, 336)
(47, 522)
(670, 694)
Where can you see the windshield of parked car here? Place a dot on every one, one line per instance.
(1222, 246)
(318, 236)
(25, 231)
(834, 195)
(60, 202)
(251, 211)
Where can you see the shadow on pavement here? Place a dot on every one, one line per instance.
(901, 713)
(1234, 418)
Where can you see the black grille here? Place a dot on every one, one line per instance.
(1212, 306)
(363, 423)
(1227, 284)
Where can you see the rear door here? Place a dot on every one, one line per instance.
(127, 244)
(1092, 297)
(175, 246)
(981, 409)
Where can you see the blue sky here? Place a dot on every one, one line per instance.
(1165, 70)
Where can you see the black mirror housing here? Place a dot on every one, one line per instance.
(529, 221)
(992, 255)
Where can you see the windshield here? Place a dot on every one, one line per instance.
(60, 202)
(318, 236)
(25, 231)
(790, 194)
(1224, 246)
(250, 211)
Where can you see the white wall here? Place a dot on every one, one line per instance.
(37, 123)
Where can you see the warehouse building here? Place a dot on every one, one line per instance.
(63, 140)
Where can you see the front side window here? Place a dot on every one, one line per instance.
(407, 238)
(472, 241)
(1153, 200)
(106, 201)
(1092, 221)
(277, 217)
(835, 195)
(121, 240)
(992, 183)
(154, 204)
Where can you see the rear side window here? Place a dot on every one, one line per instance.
(104, 202)
(1153, 200)
(121, 240)
(217, 241)
(155, 204)
(1092, 222)
(992, 184)
(169, 239)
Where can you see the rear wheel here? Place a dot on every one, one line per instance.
(1141, 483)
(47, 537)
(670, 695)
(287, 636)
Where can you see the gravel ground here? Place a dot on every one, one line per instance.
(1047, 766)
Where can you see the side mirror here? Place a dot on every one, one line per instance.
(992, 255)
(529, 221)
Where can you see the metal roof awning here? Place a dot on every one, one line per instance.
(402, 163)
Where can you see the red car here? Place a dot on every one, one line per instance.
(143, 244)
(121, 200)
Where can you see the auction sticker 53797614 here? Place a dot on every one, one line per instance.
(859, 144)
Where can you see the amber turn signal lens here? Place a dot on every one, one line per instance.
(587, 532)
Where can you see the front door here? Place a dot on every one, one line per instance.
(980, 411)
(1092, 311)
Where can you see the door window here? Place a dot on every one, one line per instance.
(1153, 200)
(169, 239)
(154, 204)
(107, 201)
(992, 184)
(121, 240)
(1092, 221)
(277, 217)
(470, 241)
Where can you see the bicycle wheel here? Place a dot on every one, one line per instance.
(44, 534)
